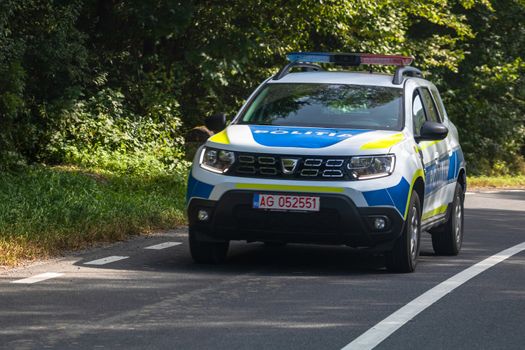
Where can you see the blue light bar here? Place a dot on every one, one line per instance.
(342, 59)
(313, 57)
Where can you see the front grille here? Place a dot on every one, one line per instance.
(290, 167)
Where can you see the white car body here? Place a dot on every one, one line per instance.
(433, 168)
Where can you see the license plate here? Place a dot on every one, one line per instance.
(286, 202)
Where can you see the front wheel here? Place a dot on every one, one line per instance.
(404, 254)
(447, 240)
(207, 252)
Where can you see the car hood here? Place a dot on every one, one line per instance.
(305, 140)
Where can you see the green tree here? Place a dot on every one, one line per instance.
(192, 58)
(42, 66)
(486, 98)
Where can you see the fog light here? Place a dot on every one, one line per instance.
(203, 215)
(379, 223)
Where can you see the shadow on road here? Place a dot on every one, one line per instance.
(486, 230)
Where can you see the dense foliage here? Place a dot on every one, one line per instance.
(101, 133)
(487, 96)
(113, 83)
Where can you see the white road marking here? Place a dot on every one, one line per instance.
(375, 335)
(106, 260)
(163, 245)
(38, 278)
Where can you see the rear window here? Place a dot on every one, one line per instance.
(326, 105)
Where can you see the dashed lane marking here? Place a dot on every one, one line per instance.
(38, 278)
(106, 260)
(375, 335)
(163, 245)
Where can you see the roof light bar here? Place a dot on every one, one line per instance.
(349, 59)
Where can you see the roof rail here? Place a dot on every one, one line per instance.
(286, 69)
(405, 70)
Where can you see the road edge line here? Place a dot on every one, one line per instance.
(382, 330)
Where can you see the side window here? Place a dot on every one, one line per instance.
(418, 113)
(439, 103)
(432, 114)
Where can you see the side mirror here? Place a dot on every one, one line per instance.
(432, 131)
(216, 122)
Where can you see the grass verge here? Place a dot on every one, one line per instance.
(45, 211)
(480, 182)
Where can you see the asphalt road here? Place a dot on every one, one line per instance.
(293, 297)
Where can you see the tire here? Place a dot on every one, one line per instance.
(403, 256)
(447, 239)
(207, 252)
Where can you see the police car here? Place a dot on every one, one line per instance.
(332, 157)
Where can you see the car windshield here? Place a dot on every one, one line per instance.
(326, 106)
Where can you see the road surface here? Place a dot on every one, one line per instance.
(293, 297)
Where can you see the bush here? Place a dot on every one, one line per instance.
(100, 133)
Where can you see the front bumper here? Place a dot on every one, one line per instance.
(339, 221)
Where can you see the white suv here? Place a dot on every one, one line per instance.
(359, 159)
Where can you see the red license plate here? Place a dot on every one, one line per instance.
(286, 202)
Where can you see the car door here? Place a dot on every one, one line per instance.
(452, 143)
(434, 155)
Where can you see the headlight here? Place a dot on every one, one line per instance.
(216, 160)
(370, 167)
